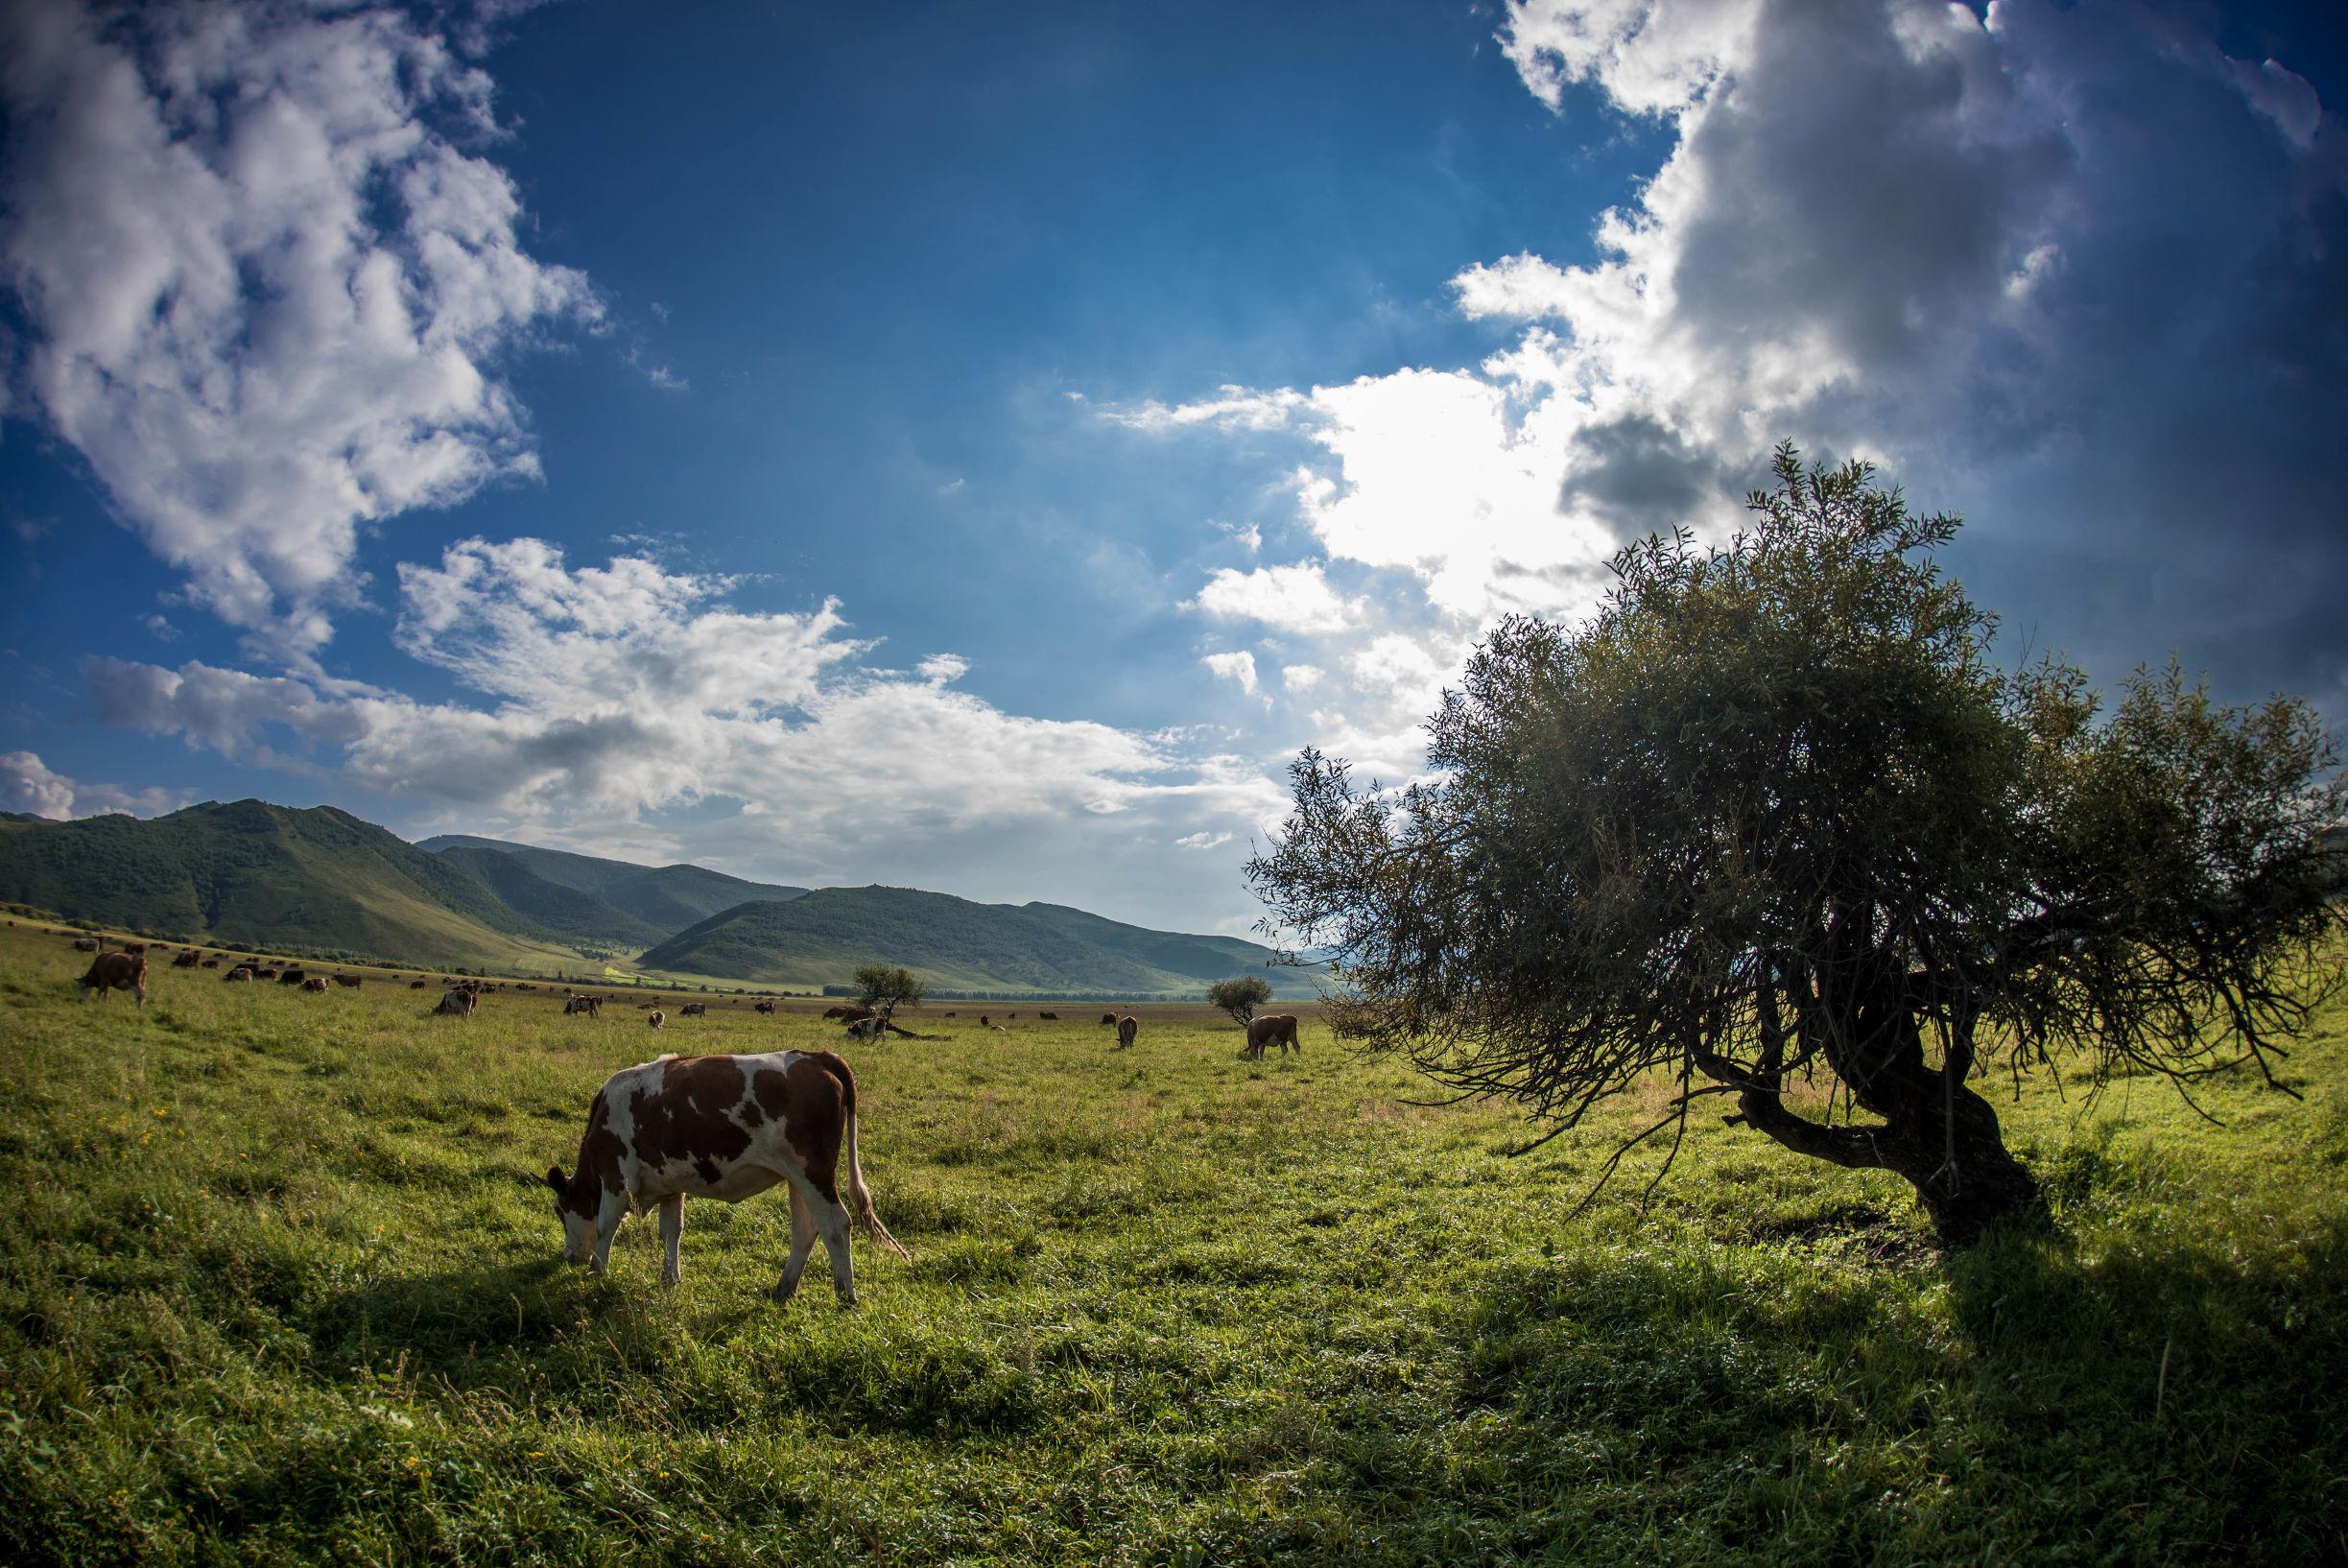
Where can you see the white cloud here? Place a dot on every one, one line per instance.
(1202, 841)
(1238, 667)
(1295, 599)
(616, 695)
(1301, 677)
(1232, 408)
(267, 287)
(28, 785)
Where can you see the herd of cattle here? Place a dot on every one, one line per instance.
(722, 1127)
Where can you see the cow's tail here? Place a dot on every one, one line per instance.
(859, 1196)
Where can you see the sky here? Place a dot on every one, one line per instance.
(976, 447)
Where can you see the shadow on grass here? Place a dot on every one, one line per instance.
(445, 1321)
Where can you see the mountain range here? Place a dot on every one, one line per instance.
(321, 880)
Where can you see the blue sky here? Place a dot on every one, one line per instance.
(975, 447)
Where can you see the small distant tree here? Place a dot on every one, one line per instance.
(1772, 819)
(888, 986)
(1240, 996)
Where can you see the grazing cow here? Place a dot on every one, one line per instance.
(985, 1022)
(292, 976)
(1271, 1027)
(185, 960)
(1128, 1027)
(727, 1128)
(265, 973)
(315, 983)
(762, 1007)
(1053, 1017)
(695, 1009)
(872, 1026)
(416, 985)
(85, 944)
(459, 1003)
(587, 1004)
(211, 963)
(1110, 1019)
(655, 1017)
(115, 971)
(243, 971)
(349, 983)
(953, 1014)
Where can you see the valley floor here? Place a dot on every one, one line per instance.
(278, 1284)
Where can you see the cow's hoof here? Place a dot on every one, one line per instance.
(781, 1296)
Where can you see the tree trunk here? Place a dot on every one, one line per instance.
(1935, 1132)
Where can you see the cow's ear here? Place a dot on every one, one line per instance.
(554, 1177)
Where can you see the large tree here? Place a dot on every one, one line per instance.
(888, 986)
(1771, 822)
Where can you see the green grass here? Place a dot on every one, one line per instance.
(276, 1285)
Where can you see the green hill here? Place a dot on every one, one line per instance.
(251, 872)
(564, 911)
(955, 944)
(666, 898)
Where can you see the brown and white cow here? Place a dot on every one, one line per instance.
(1128, 1027)
(1271, 1026)
(315, 983)
(873, 1026)
(185, 960)
(657, 1018)
(727, 1128)
(85, 944)
(114, 971)
(588, 1004)
(762, 1007)
(458, 1002)
(240, 973)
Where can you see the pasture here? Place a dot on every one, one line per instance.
(278, 1284)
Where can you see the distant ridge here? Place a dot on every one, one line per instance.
(666, 898)
(319, 880)
(955, 945)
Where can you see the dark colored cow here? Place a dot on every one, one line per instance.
(116, 972)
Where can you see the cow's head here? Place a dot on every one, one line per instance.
(577, 1228)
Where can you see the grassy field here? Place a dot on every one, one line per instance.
(278, 1285)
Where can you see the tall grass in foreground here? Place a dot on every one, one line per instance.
(276, 1285)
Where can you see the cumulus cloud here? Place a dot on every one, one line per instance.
(268, 283)
(1290, 598)
(30, 786)
(1201, 841)
(1237, 667)
(2071, 271)
(614, 696)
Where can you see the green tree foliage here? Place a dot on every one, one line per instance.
(1771, 823)
(1240, 995)
(888, 986)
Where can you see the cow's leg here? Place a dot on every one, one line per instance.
(607, 1225)
(141, 992)
(672, 1236)
(803, 1242)
(832, 1221)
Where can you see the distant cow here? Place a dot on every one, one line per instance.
(657, 1018)
(695, 1009)
(315, 983)
(459, 1003)
(762, 1007)
(587, 1004)
(240, 973)
(265, 973)
(85, 944)
(1110, 1019)
(416, 985)
(185, 960)
(349, 983)
(727, 1128)
(1128, 1027)
(953, 1014)
(1053, 1016)
(292, 977)
(1263, 1031)
(985, 1022)
(211, 963)
(112, 972)
(872, 1026)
